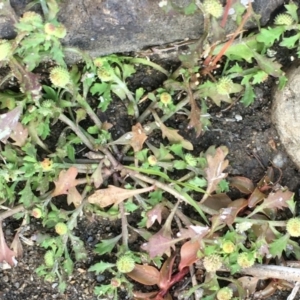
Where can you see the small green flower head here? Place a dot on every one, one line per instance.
(49, 278)
(212, 262)
(165, 98)
(293, 227)
(225, 293)
(58, 31)
(213, 7)
(228, 247)
(125, 264)
(48, 103)
(224, 86)
(99, 62)
(37, 213)
(283, 19)
(104, 74)
(49, 258)
(60, 77)
(152, 160)
(190, 160)
(5, 49)
(61, 228)
(245, 260)
(31, 17)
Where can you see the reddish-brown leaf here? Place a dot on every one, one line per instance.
(155, 214)
(114, 195)
(19, 135)
(188, 253)
(16, 245)
(239, 204)
(144, 274)
(277, 200)
(243, 184)
(160, 243)
(74, 197)
(139, 295)
(249, 283)
(214, 171)
(172, 135)
(138, 137)
(66, 180)
(193, 232)
(166, 273)
(6, 254)
(256, 197)
(8, 123)
(217, 201)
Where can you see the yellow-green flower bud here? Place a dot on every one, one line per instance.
(213, 7)
(5, 49)
(283, 19)
(152, 160)
(30, 17)
(165, 98)
(99, 62)
(37, 213)
(228, 247)
(293, 227)
(58, 31)
(125, 264)
(60, 77)
(104, 74)
(245, 260)
(49, 258)
(225, 294)
(61, 228)
(224, 86)
(212, 262)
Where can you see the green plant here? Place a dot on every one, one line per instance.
(130, 175)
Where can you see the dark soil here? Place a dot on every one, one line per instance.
(253, 147)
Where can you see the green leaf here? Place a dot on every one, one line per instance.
(197, 181)
(104, 289)
(128, 70)
(235, 69)
(289, 42)
(106, 246)
(292, 10)
(249, 95)
(139, 93)
(179, 164)
(27, 196)
(259, 77)
(100, 267)
(130, 206)
(190, 9)
(99, 88)
(279, 245)
(268, 36)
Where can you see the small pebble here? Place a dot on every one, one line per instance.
(100, 278)
(238, 118)
(279, 160)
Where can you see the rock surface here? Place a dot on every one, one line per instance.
(286, 114)
(111, 26)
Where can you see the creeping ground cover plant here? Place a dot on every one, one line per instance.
(194, 239)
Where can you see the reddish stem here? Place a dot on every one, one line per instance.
(174, 279)
(225, 15)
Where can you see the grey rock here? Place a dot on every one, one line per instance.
(286, 114)
(111, 26)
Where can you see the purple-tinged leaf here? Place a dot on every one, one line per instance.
(8, 123)
(6, 254)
